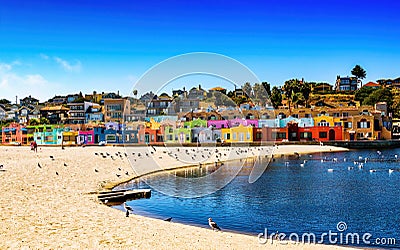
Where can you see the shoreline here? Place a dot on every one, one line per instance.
(51, 207)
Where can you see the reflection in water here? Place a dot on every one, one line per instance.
(292, 196)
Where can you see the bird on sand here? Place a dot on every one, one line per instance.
(65, 164)
(168, 219)
(213, 225)
(51, 157)
(1, 166)
(56, 173)
(95, 170)
(128, 209)
(39, 165)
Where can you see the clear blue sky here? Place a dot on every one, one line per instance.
(60, 47)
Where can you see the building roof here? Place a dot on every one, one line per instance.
(54, 108)
(218, 89)
(372, 84)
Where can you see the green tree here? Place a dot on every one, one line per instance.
(290, 88)
(4, 101)
(33, 122)
(44, 120)
(380, 95)
(362, 93)
(305, 90)
(267, 87)
(276, 97)
(358, 72)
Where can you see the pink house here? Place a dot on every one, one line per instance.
(245, 122)
(218, 124)
(86, 137)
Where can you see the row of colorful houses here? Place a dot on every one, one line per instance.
(168, 129)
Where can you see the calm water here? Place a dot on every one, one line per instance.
(291, 199)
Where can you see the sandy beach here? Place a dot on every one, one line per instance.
(50, 206)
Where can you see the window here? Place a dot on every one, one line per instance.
(336, 115)
(307, 116)
(306, 135)
(323, 135)
(248, 136)
(295, 116)
(345, 114)
(323, 123)
(258, 135)
(227, 136)
(279, 135)
(338, 124)
(169, 137)
(363, 124)
(234, 136)
(348, 124)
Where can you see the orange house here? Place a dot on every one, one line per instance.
(14, 134)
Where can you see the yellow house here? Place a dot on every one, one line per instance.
(69, 137)
(152, 124)
(237, 134)
(323, 121)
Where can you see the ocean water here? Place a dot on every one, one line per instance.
(325, 195)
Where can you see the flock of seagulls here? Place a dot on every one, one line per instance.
(359, 163)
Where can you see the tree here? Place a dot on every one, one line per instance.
(362, 93)
(247, 88)
(305, 90)
(359, 72)
(33, 122)
(380, 95)
(276, 97)
(44, 121)
(267, 87)
(4, 101)
(290, 88)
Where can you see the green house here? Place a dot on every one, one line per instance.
(46, 134)
(177, 135)
(196, 123)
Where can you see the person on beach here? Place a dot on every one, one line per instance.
(34, 146)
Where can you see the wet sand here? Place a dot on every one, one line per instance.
(50, 207)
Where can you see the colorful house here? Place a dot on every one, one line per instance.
(99, 134)
(205, 135)
(69, 137)
(237, 134)
(271, 123)
(151, 133)
(218, 124)
(178, 135)
(244, 122)
(195, 123)
(323, 121)
(274, 134)
(86, 137)
(47, 134)
(14, 134)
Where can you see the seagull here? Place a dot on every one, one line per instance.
(95, 170)
(349, 168)
(330, 170)
(51, 157)
(395, 156)
(391, 171)
(302, 165)
(65, 164)
(128, 209)
(118, 175)
(1, 166)
(96, 154)
(39, 165)
(126, 173)
(168, 219)
(213, 225)
(56, 173)
(372, 170)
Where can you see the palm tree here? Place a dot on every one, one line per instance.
(359, 72)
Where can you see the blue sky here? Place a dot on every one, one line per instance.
(61, 47)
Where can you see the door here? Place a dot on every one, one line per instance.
(331, 135)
